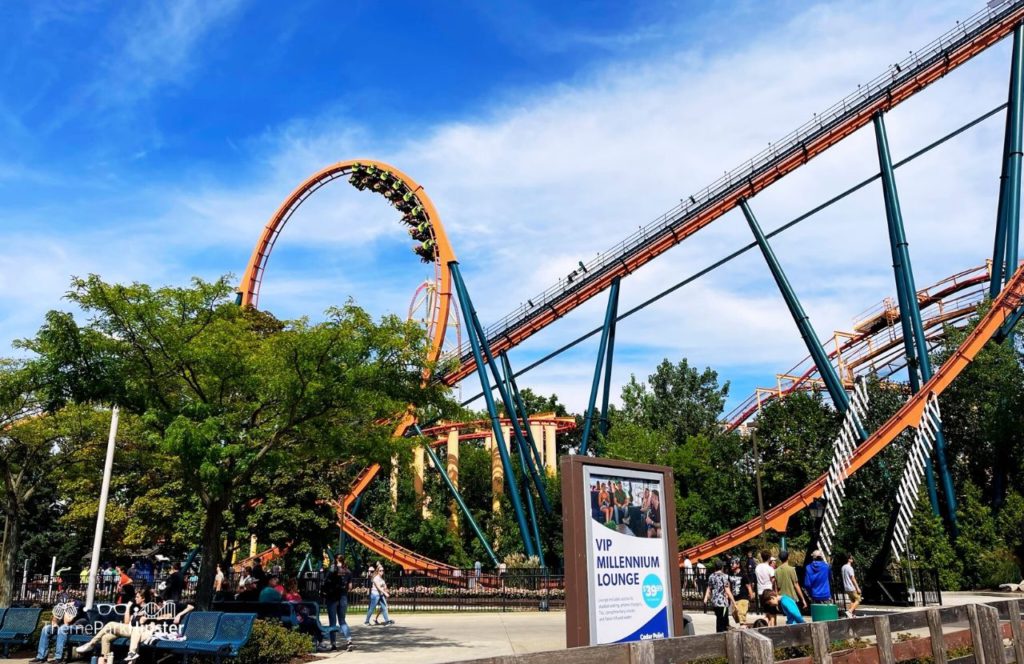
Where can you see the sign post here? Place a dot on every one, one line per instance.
(621, 552)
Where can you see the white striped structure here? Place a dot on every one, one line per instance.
(913, 472)
(842, 452)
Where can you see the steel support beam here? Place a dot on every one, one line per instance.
(1004, 253)
(510, 379)
(910, 311)
(533, 520)
(506, 397)
(609, 318)
(605, 423)
(524, 448)
(457, 496)
(828, 373)
(499, 439)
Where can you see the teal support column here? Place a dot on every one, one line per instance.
(517, 398)
(506, 398)
(1004, 253)
(469, 315)
(609, 354)
(533, 521)
(828, 373)
(909, 308)
(609, 318)
(458, 497)
(523, 448)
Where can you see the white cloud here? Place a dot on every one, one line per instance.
(159, 43)
(538, 181)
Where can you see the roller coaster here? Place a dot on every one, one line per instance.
(872, 346)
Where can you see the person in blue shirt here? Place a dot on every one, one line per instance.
(816, 579)
(783, 604)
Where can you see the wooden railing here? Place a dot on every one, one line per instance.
(955, 634)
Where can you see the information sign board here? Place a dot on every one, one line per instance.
(621, 555)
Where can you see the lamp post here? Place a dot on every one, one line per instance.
(757, 475)
(101, 512)
(817, 510)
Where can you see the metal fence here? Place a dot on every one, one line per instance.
(460, 590)
(515, 590)
(468, 592)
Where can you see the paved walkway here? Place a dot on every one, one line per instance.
(451, 637)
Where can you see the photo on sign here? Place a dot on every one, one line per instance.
(628, 505)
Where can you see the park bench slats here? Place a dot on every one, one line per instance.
(18, 626)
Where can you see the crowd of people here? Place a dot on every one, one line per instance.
(148, 616)
(154, 612)
(774, 584)
(627, 510)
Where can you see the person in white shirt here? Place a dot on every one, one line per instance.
(764, 573)
(688, 573)
(378, 598)
(851, 586)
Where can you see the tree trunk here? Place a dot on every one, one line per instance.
(210, 549)
(9, 559)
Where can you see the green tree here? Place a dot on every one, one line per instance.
(677, 399)
(233, 392)
(983, 419)
(794, 438)
(32, 446)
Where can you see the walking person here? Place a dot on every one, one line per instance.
(218, 584)
(851, 586)
(336, 588)
(378, 597)
(787, 582)
(173, 585)
(719, 595)
(764, 573)
(741, 592)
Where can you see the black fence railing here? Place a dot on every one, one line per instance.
(513, 590)
(919, 587)
(464, 590)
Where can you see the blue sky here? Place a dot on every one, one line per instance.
(151, 141)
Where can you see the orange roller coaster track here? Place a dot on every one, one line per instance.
(441, 253)
(777, 518)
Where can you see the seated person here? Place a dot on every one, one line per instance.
(784, 604)
(271, 593)
(291, 591)
(151, 623)
(66, 613)
(653, 519)
(112, 631)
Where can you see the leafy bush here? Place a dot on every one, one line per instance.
(999, 566)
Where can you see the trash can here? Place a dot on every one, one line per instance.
(823, 612)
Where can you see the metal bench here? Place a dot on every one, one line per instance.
(18, 626)
(233, 632)
(200, 627)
